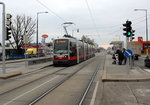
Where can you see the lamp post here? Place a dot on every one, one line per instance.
(37, 30)
(146, 28)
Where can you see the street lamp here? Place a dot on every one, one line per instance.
(146, 28)
(37, 29)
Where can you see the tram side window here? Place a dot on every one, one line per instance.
(86, 49)
(81, 50)
(73, 50)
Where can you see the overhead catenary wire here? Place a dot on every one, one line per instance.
(114, 26)
(111, 33)
(140, 17)
(51, 11)
(92, 18)
(90, 12)
(140, 21)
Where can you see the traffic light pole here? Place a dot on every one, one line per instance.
(127, 40)
(147, 46)
(3, 38)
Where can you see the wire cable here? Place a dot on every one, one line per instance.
(90, 12)
(51, 11)
(92, 18)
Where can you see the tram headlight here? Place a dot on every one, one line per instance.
(66, 56)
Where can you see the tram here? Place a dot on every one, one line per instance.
(69, 51)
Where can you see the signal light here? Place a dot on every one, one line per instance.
(8, 26)
(131, 38)
(8, 33)
(127, 28)
(129, 33)
(132, 35)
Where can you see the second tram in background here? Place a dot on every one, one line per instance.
(69, 51)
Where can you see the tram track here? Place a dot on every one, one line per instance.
(81, 65)
(57, 85)
(64, 76)
(31, 74)
(93, 77)
(89, 85)
(67, 78)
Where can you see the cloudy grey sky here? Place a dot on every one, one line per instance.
(102, 21)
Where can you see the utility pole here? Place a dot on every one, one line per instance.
(37, 23)
(3, 37)
(147, 46)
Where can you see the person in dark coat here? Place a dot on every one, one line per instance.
(120, 56)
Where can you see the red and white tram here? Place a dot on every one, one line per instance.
(69, 50)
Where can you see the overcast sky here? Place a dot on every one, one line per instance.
(100, 20)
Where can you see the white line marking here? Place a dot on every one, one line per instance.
(94, 94)
(30, 91)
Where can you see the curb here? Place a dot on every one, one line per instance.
(9, 75)
(125, 79)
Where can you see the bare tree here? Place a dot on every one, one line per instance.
(87, 40)
(84, 38)
(22, 25)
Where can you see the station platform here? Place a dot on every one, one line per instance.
(115, 72)
(23, 70)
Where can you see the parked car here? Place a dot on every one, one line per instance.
(147, 61)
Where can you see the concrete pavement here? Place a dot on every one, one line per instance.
(115, 72)
(124, 86)
(23, 70)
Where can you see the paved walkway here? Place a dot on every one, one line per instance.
(22, 70)
(124, 86)
(115, 72)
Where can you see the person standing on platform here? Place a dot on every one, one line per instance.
(120, 56)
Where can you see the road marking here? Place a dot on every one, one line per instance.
(30, 91)
(94, 94)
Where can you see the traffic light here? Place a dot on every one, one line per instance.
(127, 28)
(8, 26)
(132, 35)
(8, 33)
(132, 31)
(131, 38)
